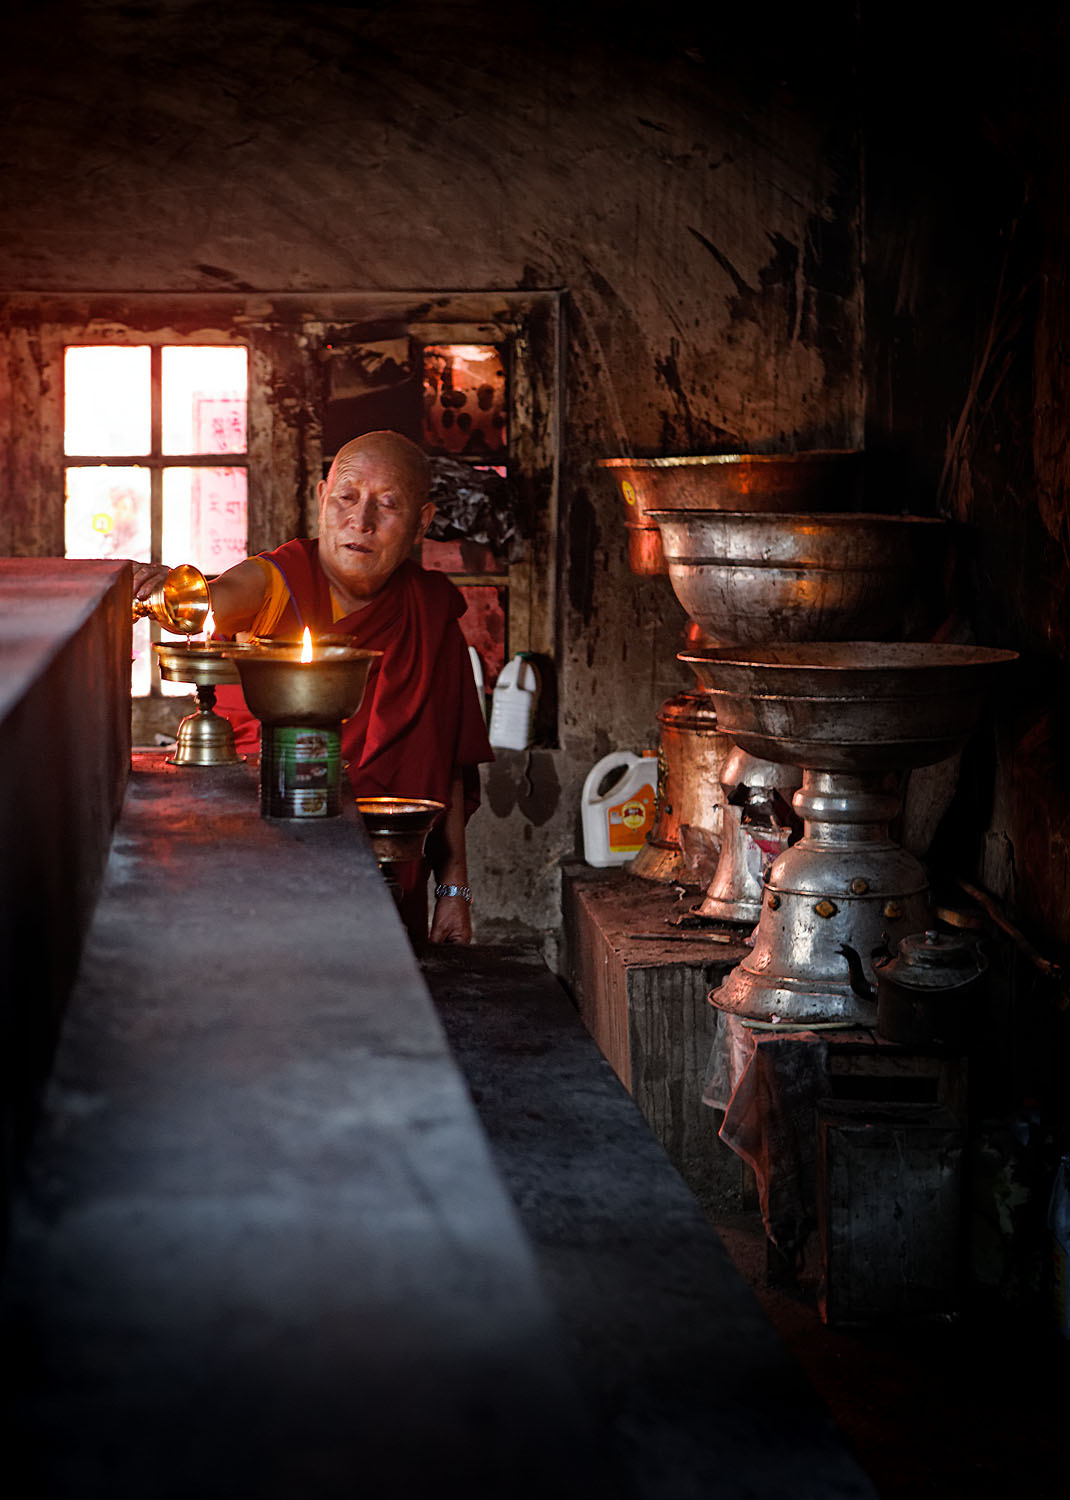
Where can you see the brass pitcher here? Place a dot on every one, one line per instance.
(180, 603)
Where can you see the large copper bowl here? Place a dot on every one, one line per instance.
(756, 577)
(849, 706)
(822, 480)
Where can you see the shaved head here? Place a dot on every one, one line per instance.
(393, 451)
(374, 508)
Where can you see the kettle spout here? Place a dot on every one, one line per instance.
(859, 983)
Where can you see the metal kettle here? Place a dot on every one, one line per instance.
(925, 989)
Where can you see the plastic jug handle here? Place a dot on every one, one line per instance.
(598, 772)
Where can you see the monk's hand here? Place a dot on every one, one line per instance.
(148, 576)
(452, 921)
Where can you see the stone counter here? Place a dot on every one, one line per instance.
(261, 1251)
(65, 636)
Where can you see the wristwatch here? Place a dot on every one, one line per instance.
(454, 890)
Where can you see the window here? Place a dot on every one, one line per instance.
(145, 426)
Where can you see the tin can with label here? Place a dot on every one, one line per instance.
(300, 772)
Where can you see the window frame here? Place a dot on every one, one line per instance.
(155, 461)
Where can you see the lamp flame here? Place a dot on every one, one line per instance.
(209, 625)
(306, 645)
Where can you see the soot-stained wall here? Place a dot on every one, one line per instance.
(968, 347)
(690, 187)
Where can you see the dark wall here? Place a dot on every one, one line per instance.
(967, 168)
(691, 185)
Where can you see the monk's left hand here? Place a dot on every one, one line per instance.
(452, 922)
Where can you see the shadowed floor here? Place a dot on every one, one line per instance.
(669, 1341)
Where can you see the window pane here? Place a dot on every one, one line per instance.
(204, 517)
(205, 393)
(464, 399)
(107, 393)
(108, 513)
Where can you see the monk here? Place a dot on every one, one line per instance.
(419, 731)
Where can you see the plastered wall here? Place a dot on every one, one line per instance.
(690, 185)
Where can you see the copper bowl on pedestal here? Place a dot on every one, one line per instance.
(811, 576)
(851, 714)
(821, 480)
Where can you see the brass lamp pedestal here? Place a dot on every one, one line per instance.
(204, 737)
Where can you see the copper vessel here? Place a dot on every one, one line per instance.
(180, 603)
(397, 829)
(685, 842)
(810, 576)
(824, 480)
(852, 714)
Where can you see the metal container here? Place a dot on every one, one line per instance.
(753, 834)
(397, 829)
(850, 714)
(300, 771)
(684, 844)
(205, 738)
(179, 603)
(926, 992)
(301, 705)
(280, 688)
(849, 706)
(829, 480)
(746, 577)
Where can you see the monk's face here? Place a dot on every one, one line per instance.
(372, 514)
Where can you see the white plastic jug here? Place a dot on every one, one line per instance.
(616, 824)
(512, 710)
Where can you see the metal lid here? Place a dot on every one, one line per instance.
(936, 960)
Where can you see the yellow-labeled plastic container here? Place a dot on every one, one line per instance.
(617, 821)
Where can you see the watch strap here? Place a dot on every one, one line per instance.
(454, 890)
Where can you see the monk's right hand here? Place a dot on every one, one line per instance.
(148, 576)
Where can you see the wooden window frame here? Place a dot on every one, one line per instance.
(155, 460)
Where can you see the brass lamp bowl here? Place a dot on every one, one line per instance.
(180, 603)
(397, 827)
(281, 689)
(200, 662)
(295, 642)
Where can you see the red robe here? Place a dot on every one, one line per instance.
(420, 718)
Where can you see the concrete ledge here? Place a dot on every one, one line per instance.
(65, 636)
(262, 1251)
